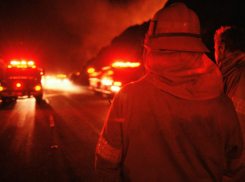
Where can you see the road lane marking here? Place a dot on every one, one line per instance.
(51, 120)
(54, 146)
(52, 125)
(47, 101)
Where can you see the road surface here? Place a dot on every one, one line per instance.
(54, 140)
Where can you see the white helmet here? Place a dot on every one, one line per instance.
(175, 28)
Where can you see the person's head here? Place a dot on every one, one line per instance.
(175, 28)
(228, 40)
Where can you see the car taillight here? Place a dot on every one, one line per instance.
(38, 88)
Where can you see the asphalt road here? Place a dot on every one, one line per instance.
(54, 140)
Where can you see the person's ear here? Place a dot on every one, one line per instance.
(222, 47)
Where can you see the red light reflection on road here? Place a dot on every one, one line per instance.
(23, 118)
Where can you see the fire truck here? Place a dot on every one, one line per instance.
(110, 79)
(21, 78)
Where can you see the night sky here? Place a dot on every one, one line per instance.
(62, 35)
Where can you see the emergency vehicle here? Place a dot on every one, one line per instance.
(21, 78)
(110, 79)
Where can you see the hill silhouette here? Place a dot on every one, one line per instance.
(212, 15)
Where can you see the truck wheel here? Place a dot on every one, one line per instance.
(39, 98)
(97, 93)
(107, 96)
(4, 100)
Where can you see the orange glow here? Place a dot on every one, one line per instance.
(21, 64)
(18, 85)
(117, 83)
(61, 76)
(1, 88)
(14, 62)
(126, 64)
(38, 88)
(106, 68)
(106, 82)
(110, 72)
(30, 63)
(115, 88)
(90, 70)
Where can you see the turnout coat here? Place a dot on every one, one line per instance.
(233, 71)
(171, 128)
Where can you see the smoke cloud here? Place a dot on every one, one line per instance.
(97, 22)
(62, 35)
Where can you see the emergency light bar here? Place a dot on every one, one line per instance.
(90, 70)
(21, 64)
(18, 85)
(61, 76)
(126, 64)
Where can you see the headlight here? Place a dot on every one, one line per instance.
(115, 88)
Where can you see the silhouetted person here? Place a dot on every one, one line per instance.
(230, 58)
(175, 124)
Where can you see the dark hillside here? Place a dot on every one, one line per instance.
(212, 15)
(125, 47)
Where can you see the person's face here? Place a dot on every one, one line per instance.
(219, 52)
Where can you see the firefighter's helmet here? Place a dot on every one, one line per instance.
(175, 27)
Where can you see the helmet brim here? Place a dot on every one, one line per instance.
(177, 43)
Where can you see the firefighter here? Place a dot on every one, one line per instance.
(230, 57)
(175, 124)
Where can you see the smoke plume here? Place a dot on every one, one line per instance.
(97, 22)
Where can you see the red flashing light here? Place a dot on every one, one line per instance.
(90, 70)
(30, 63)
(106, 68)
(106, 81)
(21, 64)
(61, 76)
(115, 88)
(14, 62)
(126, 64)
(110, 72)
(38, 88)
(117, 83)
(18, 85)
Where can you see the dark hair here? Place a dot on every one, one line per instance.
(232, 36)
